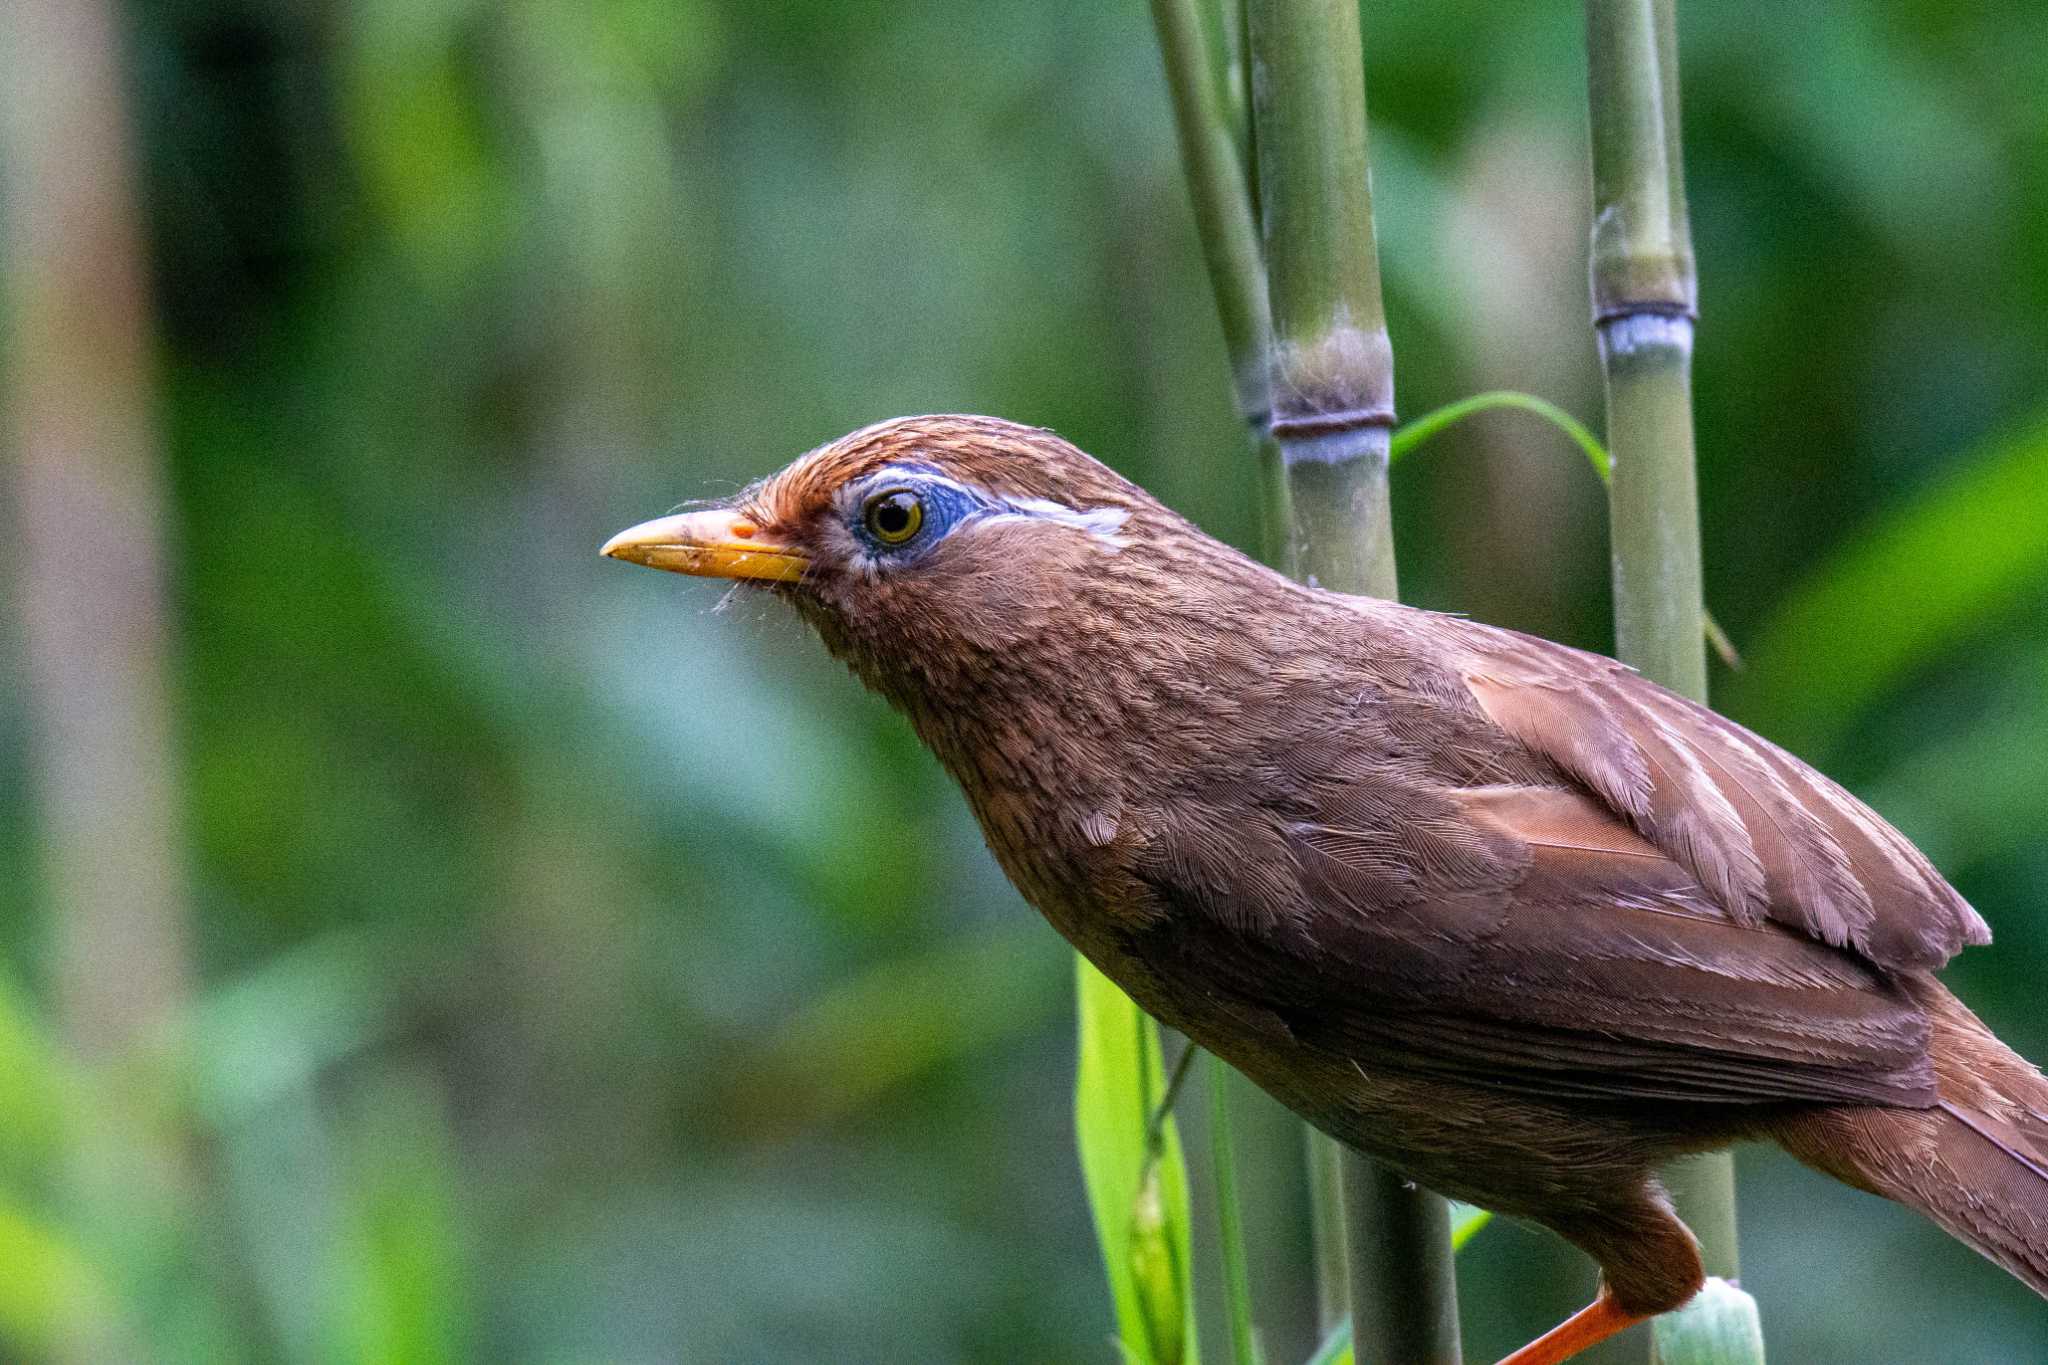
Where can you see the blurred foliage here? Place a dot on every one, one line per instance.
(589, 974)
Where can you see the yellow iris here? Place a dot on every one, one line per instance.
(895, 516)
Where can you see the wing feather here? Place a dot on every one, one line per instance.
(1518, 865)
(1765, 833)
(1558, 953)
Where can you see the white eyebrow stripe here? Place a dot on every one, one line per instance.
(1101, 522)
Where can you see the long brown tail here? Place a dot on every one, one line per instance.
(1977, 1165)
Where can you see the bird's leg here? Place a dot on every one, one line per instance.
(1594, 1323)
(1155, 1127)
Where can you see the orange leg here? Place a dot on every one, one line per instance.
(1593, 1324)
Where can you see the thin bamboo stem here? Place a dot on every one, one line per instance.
(1645, 298)
(1332, 381)
(1155, 1126)
(1404, 1290)
(1332, 1262)
(1237, 1282)
(1210, 155)
(1213, 144)
(1430, 425)
(1213, 138)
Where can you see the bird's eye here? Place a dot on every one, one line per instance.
(895, 516)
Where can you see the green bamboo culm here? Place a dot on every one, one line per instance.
(1221, 198)
(1237, 1283)
(1331, 380)
(1330, 366)
(1323, 447)
(1645, 300)
(1197, 61)
(1202, 70)
(1645, 297)
(1199, 78)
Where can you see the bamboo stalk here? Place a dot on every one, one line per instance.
(1645, 298)
(1223, 210)
(1331, 366)
(1210, 135)
(1237, 1282)
(90, 509)
(1332, 385)
(89, 512)
(1329, 1255)
(1211, 138)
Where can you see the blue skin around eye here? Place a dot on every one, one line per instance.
(945, 507)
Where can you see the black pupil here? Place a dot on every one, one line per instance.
(892, 516)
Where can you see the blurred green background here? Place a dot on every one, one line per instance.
(542, 964)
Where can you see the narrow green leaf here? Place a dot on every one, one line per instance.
(1719, 1327)
(1140, 1208)
(1466, 1222)
(1156, 1265)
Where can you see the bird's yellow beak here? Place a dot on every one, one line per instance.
(715, 543)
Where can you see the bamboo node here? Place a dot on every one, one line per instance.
(1646, 331)
(1330, 423)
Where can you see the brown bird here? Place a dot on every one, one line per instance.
(1499, 913)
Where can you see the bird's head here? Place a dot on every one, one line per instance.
(934, 552)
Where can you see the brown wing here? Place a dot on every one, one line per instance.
(1770, 838)
(1539, 872)
(1520, 938)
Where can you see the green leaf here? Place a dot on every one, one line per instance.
(34, 1086)
(1719, 1327)
(1916, 583)
(403, 1261)
(1120, 1081)
(1466, 1222)
(1156, 1265)
(46, 1286)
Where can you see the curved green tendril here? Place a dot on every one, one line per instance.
(1449, 415)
